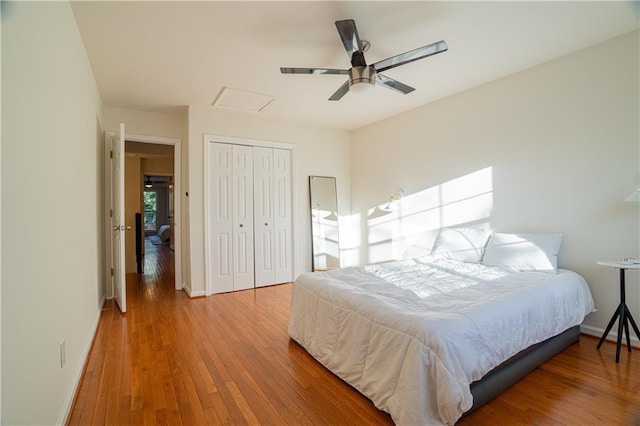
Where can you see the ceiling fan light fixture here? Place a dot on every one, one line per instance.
(362, 79)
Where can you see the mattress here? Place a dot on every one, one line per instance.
(413, 335)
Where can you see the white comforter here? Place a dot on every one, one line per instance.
(413, 335)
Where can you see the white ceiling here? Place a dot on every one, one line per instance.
(158, 56)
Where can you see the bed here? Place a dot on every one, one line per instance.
(431, 338)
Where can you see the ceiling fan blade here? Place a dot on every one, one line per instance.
(412, 55)
(342, 90)
(349, 35)
(313, 71)
(392, 84)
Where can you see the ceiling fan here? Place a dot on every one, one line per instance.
(361, 75)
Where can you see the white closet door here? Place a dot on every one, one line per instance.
(283, 254)
(221, 220)
(263, 216)
(243, 276)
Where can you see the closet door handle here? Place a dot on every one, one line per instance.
(241, 225)
(266, 224)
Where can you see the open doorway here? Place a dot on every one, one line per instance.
(157, 255)
(149, 171)
(151, 180)
(157, 209)
(123, 164)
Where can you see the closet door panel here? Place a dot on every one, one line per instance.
(220, 232)
(283, 253)
(263, 210)
(242, 211)
(250, 200)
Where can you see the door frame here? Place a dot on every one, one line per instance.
(208, 140)
(177, 215)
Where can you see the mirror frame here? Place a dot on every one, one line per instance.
(311, 217)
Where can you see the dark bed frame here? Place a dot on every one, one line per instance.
(515, 368)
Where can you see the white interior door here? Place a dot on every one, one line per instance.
(265, 271)
(117, 219)
(283, 218)
(243, 276)
(220, 232)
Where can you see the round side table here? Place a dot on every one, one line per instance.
(622, 312)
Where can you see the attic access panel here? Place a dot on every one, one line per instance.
(242, 100)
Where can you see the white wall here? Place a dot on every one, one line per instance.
(555, 148)
(52, 240)
(317, 152)
(163, 124)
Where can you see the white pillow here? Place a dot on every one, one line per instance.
(525, 252)
(164, 233)
(463, 244)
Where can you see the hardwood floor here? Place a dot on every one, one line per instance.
(227, 359)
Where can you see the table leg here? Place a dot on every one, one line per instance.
(608, 329)
(626, 329)
(633, 323)
(620, 328)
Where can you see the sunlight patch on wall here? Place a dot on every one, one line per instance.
(350, 233)
(410, 227)
(326, 252)
(467, 199)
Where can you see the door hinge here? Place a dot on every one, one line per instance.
(110, 212)
(110, 154)
(111, 271)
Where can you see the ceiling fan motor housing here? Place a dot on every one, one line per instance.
(359, 75)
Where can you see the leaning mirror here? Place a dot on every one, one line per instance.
(324, 223)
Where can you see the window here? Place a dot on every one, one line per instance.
(150, 210)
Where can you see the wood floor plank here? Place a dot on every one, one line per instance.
(227, 360)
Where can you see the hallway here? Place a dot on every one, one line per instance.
(159, 273)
